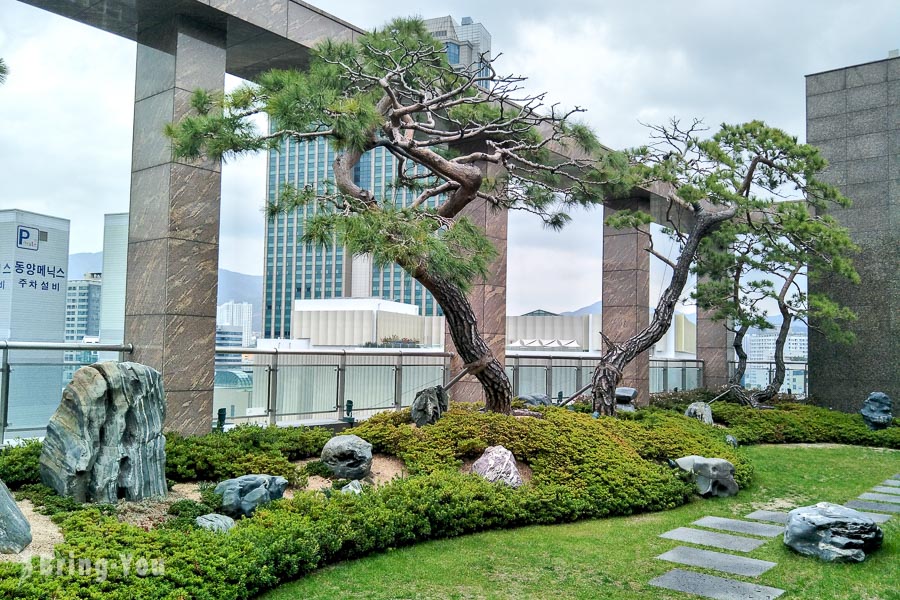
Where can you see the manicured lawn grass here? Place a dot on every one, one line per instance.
(614, 558)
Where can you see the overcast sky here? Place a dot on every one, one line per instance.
(66, 109)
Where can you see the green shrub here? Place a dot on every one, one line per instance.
(218, 456)
(20, 465)
(797, 423)
(318, 468)
(47, 502)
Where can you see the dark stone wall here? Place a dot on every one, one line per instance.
(853, 116)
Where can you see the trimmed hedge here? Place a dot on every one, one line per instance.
(582, 467)
(20, 465)
(799, 423)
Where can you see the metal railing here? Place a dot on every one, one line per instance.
(568, 372)
(280, 386)
(759, 374)
(52, 359)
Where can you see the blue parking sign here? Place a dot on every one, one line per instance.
(27, 237)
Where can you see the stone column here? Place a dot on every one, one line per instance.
(626, 293)
(488, 300)
(713, 348)
(173, 241)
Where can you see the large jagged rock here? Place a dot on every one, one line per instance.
(877, 411)
(105, 440)
(242, 496)
(15, 532)
(498, 464)
(348, 456)
(713, 476)
(832, 533)
(430, 404)
(700, 411)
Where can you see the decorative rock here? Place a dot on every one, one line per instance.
(876, 411)
(714, 476)
(832, 533)
(354, 487)
(623, 408)
(15, 532)
(521, 412)
(430, 404)
(700, 411)
(498, 464)
(348, 456)
(214, 522)
(536, 400)
(626, 395)
(241, 496)
(105, 440)
(731, 441)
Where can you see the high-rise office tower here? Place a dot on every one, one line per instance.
(297, 271)
(468, 43)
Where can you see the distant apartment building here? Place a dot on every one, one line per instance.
(229, 337)
(760, 348)
(82, 318)
(34, 257)
(237, 314)
(297, 271)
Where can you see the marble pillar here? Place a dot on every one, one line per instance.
(714, 349)
(626, 294)
(488, 300)
(173, 238)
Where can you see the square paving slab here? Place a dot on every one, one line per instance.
(738, 526)
(891, 482)
(710, 538)
(876, 506)
(717, 588)
(719, 561)
(877, 517)
(884, 489)
(769, 515)
(880, 497)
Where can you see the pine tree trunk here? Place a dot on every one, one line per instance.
(618, 355)
(472, 348)
(738, 345)
(764, 395)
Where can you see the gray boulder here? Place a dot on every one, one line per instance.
(700, 411)
(626, 395)
(832, 533)
(536, 399)
(877, 411)
(354, 487)
(498, 464)
(105, 440)
(214, 522)
(713, 476)
(15, 532)
(731, 441)
(348, 456)
(241, 496)
(430, 404)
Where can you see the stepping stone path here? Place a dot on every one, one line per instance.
(884, 498)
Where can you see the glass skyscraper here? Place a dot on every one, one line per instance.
(300, 271)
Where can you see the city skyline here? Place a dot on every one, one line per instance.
(582, 54)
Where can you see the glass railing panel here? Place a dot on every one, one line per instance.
(565, 380)
(417, 378)
(370, 387)
(532, 380)
(306, 392)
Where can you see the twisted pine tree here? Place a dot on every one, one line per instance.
(459, 137)
(734, 180)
